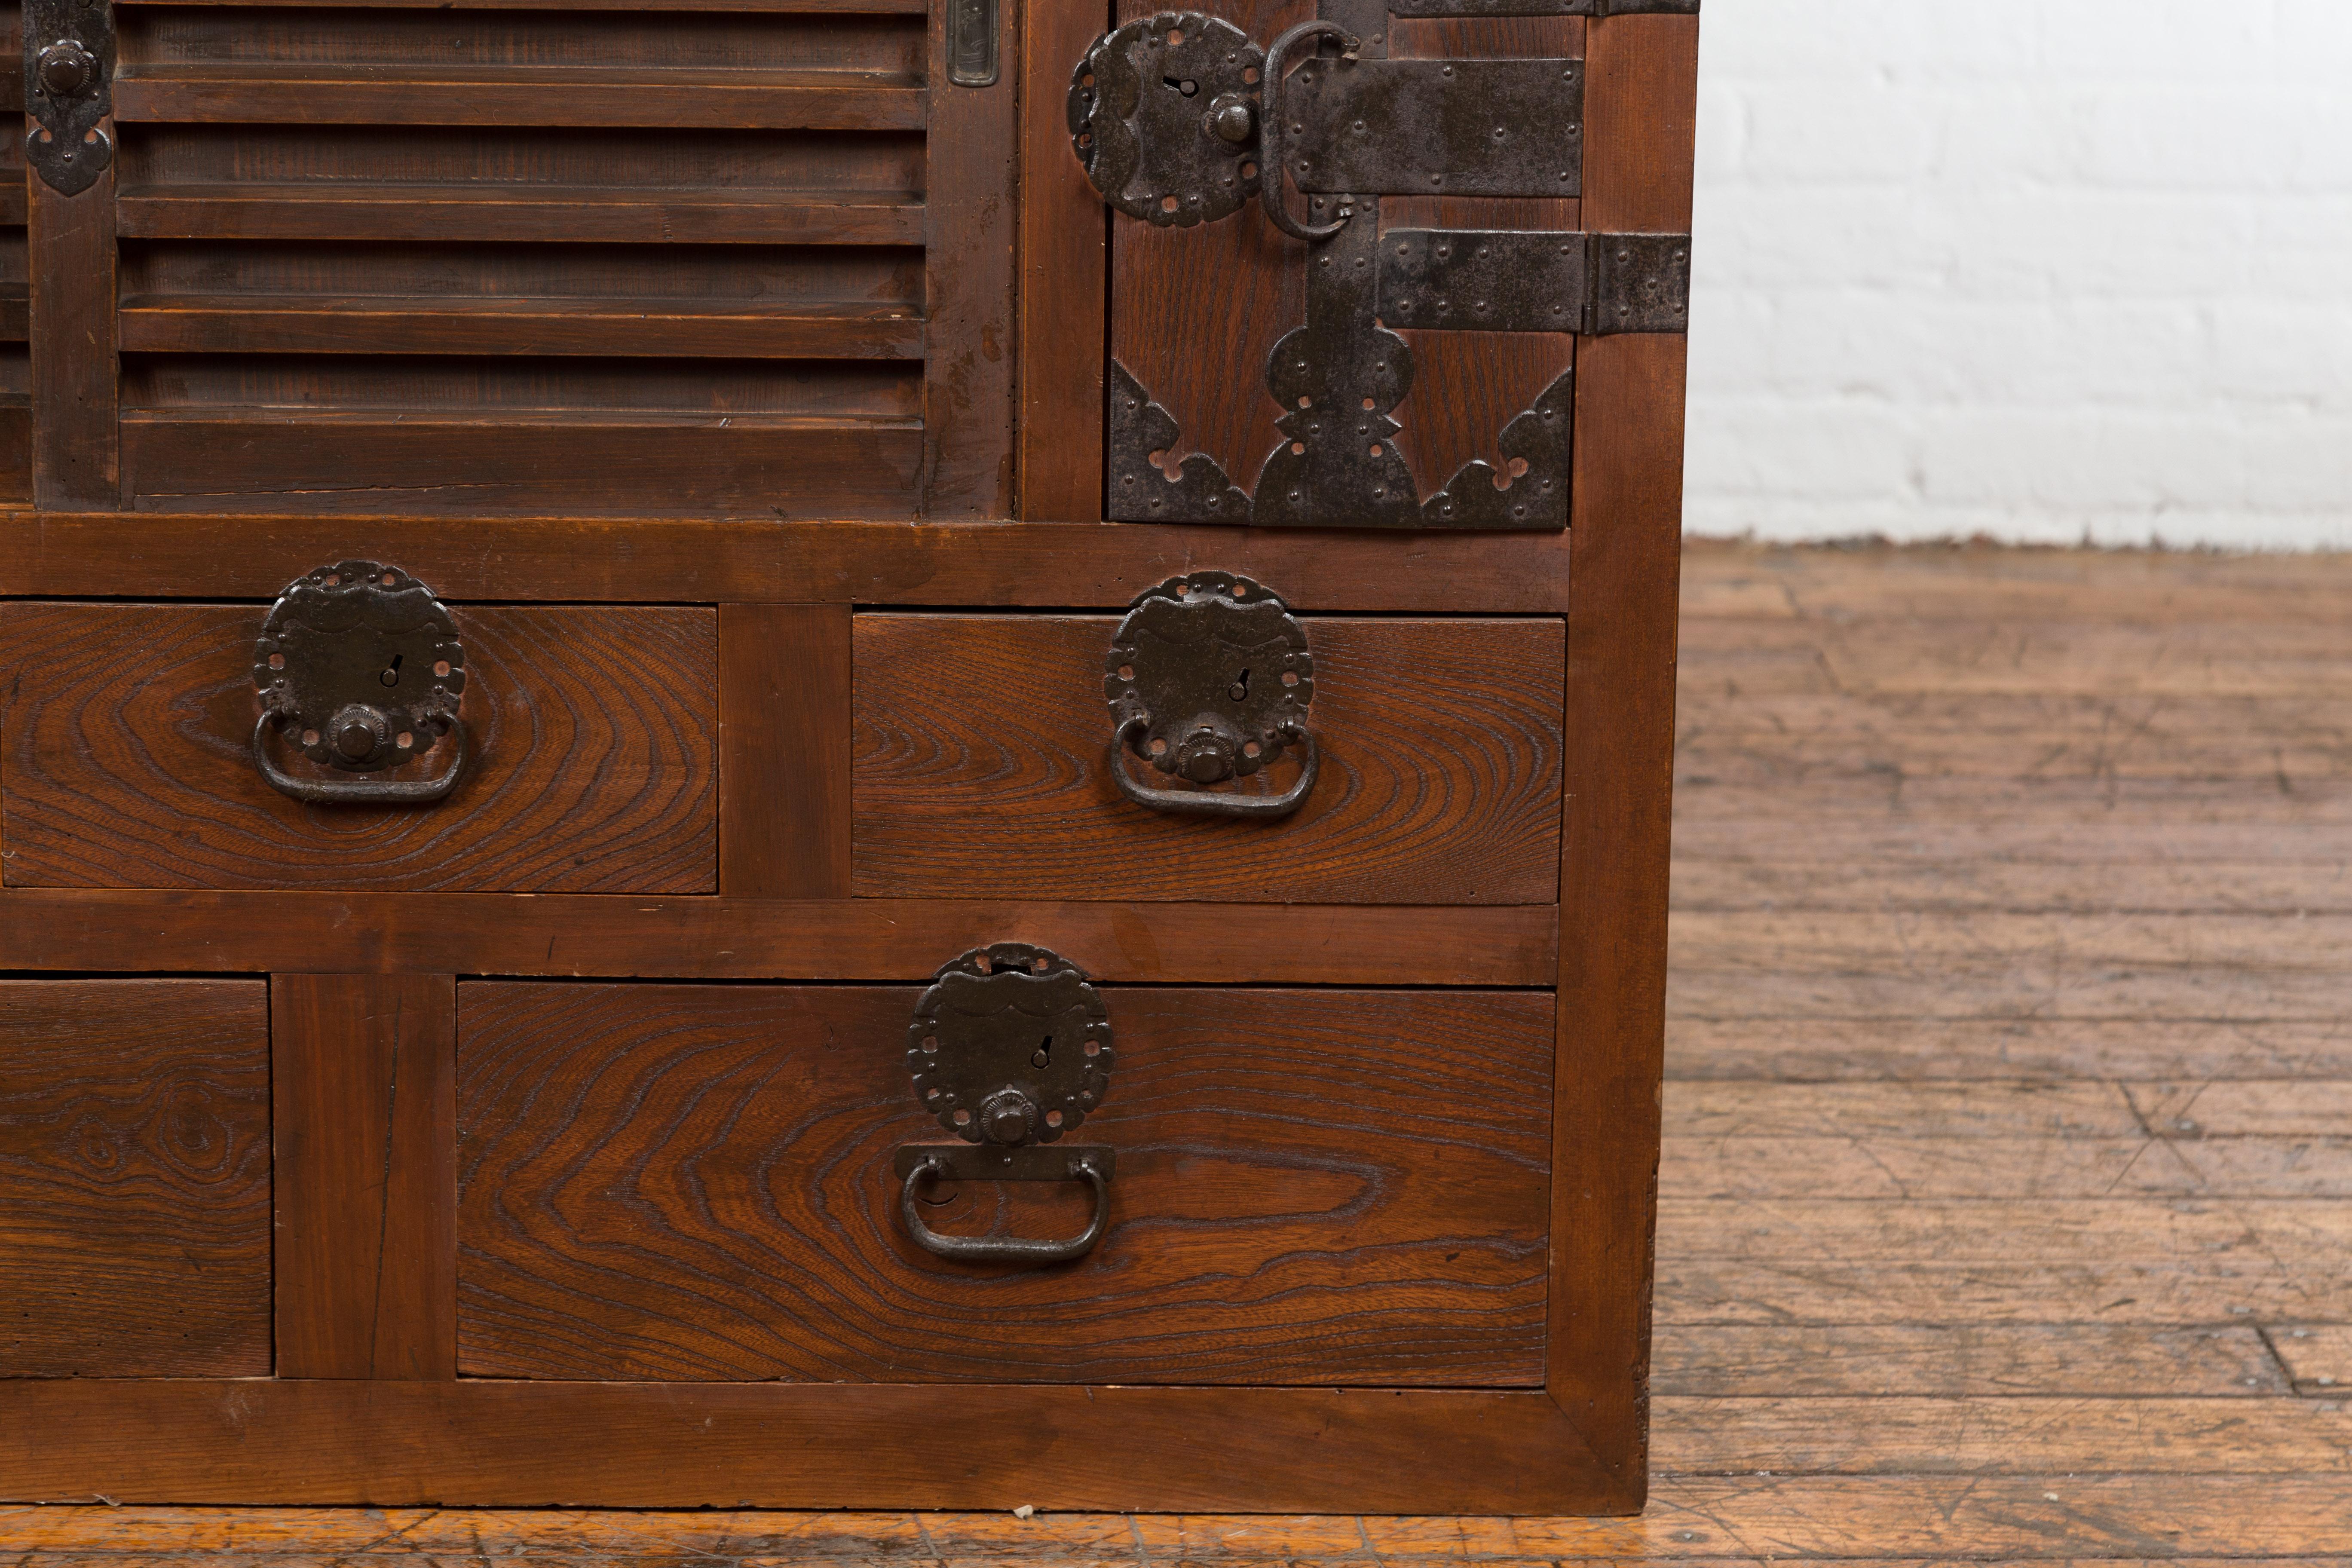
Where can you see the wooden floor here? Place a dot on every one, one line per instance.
(2008, 1186)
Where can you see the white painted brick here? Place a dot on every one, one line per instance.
(2048, 269)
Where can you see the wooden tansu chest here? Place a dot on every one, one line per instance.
(813, 753)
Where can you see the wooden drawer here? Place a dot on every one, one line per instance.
(134, 1178)
(982, 769)
(683, 1182)
(128, 761)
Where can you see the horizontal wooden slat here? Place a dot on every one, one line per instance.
(668, 99)
(15, 317)
(322, 210)
(520, 462)
(720, 939)
(783, 1444)
(226, 554)
(732, 328)
(13, 202)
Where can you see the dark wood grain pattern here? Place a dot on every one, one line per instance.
(1064, 282)
(134, 1178)
(781, 1445)
(677, 1184)
(364, 1114)
(77, 453)
(753, 938)
(982, 770)
(674, 100)
(783, 750)
(1627, 527)
(970, 227)
(539, 559)
(129, 758)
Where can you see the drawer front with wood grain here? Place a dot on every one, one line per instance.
(134, 1178)
(129, 759)
(983, 759)
(682, 1182)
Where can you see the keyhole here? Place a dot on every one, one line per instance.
(1186, 87)
(391, 675)
(1240, 692)
(1044, 1055)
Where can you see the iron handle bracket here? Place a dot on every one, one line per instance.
(957, 1162)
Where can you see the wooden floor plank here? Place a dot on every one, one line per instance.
(1910, 1049)
(1955, 1360)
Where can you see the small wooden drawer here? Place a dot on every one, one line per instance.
(683, 1182)
(134, 1178)
(982, 769)
(130, 762)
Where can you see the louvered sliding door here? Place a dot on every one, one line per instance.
(721, 257)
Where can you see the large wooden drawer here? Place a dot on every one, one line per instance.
(983, 769)
(128, 758)
(684, 1182)
(134, 1178)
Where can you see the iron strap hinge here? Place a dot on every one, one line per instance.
(1495, 280)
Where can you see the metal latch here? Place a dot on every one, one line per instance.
(68, 72)
(359, 666)
(1010, 1049)
(1209, 678)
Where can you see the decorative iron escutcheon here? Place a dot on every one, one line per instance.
(359, 666)
(1209, 680)
(68, 92)
(1010, 1049)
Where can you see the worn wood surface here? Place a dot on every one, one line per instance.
(1064, 298)
(758, 939)
(784, 684)
(76, 437)
(971, 216)
(2029, 1370)
(592, 735)
(1640, 90)
(363, 1133)
(982, 770)
(680, 1184)
(1100, 566)
(134, 1179)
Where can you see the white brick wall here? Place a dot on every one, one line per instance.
(2046, 270)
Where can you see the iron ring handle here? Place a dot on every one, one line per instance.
(1271, 131)
(362, 791)
(992, 1249)
(1200, 803)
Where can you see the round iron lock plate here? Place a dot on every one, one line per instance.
(1010, 1046)
(1163, 112)
(360, 666)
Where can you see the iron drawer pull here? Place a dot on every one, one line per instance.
(360, 790)
(1209, 678)
(1005, 1249)
(1201, 803)
(360, 666)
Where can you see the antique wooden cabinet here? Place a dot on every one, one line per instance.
(806, 752)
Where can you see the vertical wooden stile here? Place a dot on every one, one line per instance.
(77, 432)
(1064, 256)
(1626, 544)
(364, 1110)
(971, 226)
(784, 759)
